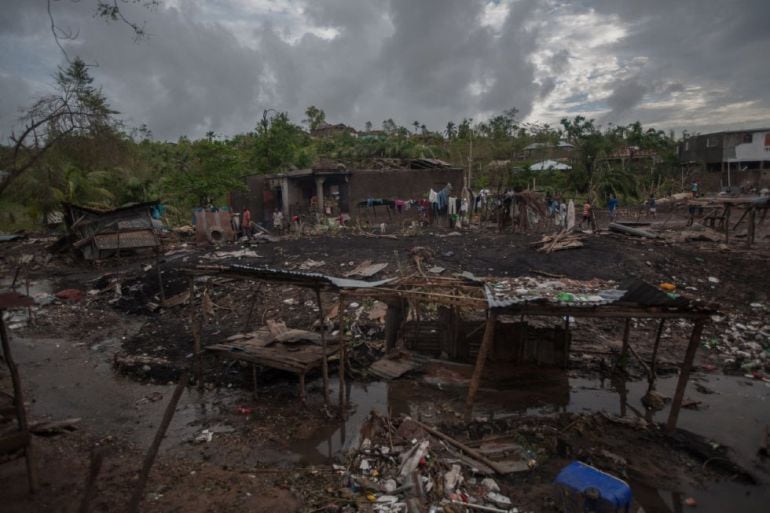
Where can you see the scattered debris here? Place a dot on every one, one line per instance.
(366, 269)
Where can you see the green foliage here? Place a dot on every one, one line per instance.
(201, 172)
(315, 117)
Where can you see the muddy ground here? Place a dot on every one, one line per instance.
(272, 454)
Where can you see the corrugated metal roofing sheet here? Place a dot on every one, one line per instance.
(305, 278)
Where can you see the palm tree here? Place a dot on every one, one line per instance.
(451, 130)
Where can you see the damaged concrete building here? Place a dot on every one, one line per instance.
(738, 158)
(334, 188)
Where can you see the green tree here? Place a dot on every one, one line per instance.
(202, 171)
(315, 117)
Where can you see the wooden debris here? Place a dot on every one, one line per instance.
(562, 240)
(627, 230)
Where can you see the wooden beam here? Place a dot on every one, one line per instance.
(149, 459)
(343, 351)
(654, 360)
(18, 400)
(325, 359)
(486, 344)
(684, 375)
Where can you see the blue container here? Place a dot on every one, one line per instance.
(581, 488)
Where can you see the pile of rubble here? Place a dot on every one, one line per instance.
(744, 341)
(413, 467)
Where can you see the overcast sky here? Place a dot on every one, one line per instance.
(216, 65)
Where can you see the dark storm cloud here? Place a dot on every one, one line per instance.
(626, 94)
(712, 45)
(217, 66)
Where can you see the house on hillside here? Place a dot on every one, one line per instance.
(547, 151)
(328, 130)
(632, 157)
(333, 188)
(736, 157)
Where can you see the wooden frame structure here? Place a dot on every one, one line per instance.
(639, 301)
(721, 211)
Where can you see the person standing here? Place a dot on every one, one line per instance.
(278, 220)
(694, 188)
(651, 206)
(586, 214)
(612, 206)
(246, 222)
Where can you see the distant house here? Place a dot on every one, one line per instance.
(741, 157)
(333, 188)
(329, 130)
(543, 151)
(632, 157)
(547, 165)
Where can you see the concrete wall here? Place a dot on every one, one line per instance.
(401, 183)
(252, 197)
(738, 149)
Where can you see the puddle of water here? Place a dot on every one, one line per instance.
(64, 381)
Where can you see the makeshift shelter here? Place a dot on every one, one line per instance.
(98, 233)
(522, 297)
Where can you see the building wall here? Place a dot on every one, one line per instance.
(401, 183)
(716, 148)
(738, 148)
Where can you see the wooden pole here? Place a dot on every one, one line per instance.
(653, 372)
(751, 230)
(97, 456)
(324, 360)
(254, 378)
(624, 348)
(467, 450)
(195, 327)
(343, 351)
(684, 375)
(160, 278)
(18, 400)
(486, 344)
(149, 459)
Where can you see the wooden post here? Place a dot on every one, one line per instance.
(486, 344)
(195, 327)
(653, 372)
(624, 348)
(684, 375)
(727, 223)
(751, 231)
(324, 360)
(18, 400)
(343, 351)
(97, 456)
(149, 459)
(254, 378)
(160, 278)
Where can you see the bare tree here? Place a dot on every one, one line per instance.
(108, 10)
(77, 108)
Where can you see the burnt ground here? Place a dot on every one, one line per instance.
(282, 469)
